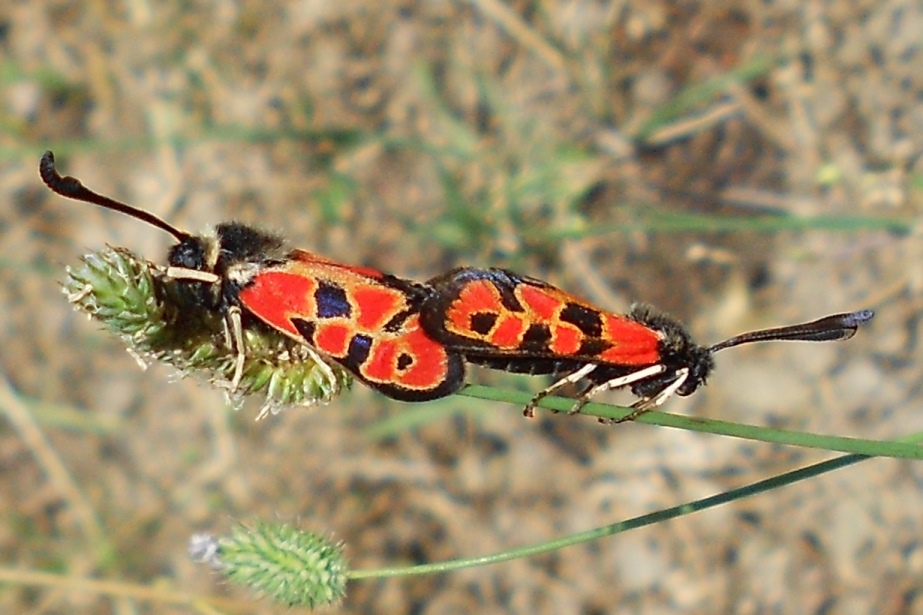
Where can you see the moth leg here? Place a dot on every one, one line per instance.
(233, 327)
(580, 374)
(234, 333)
(323, 365)
(649, 403)
(616, 383)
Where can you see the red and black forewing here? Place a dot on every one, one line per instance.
(506, 321)
(366, 320)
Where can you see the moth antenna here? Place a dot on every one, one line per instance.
(832, 328)
(72, 188)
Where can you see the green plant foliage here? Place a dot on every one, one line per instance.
(135, 300)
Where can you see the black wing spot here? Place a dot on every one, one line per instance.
(396, 322)
(306, 328)
(536, 338)
(404, 361)
(586, 319)
(592, 347)
(483, 322)
(331, 301)
(359, 348)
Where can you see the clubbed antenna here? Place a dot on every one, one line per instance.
(827, 329)
(72, 188)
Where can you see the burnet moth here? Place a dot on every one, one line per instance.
(365, 320)
(505, 321)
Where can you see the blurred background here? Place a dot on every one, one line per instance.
(739, 164)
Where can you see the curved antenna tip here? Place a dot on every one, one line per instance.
(856, 318)
(72, 188)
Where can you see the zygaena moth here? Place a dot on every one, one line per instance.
(506, 321)
(365, 320)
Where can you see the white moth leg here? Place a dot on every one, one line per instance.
(529, 411)
(649, 403)
(233, 328)
(321, 362)
(271, 407)
(234, 331)
(616, 383)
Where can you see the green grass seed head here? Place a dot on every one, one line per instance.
(136, 301)
(279, 561)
